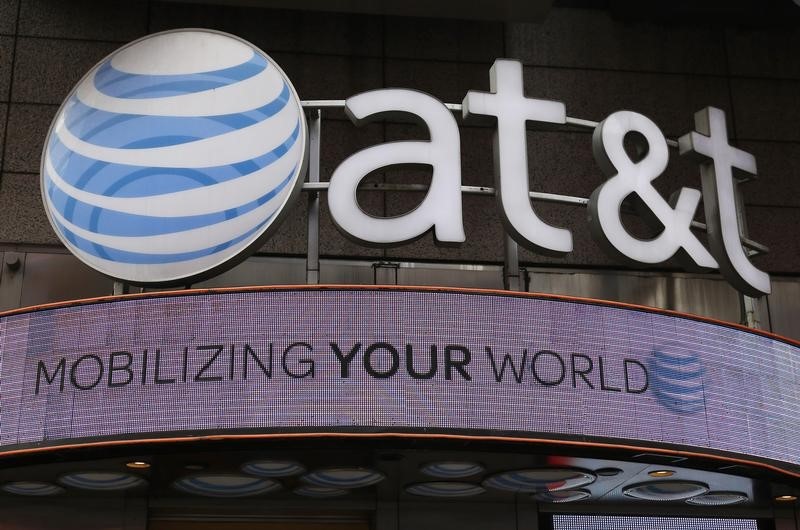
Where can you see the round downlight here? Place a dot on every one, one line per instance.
(718, 498)
(320, 492)
(101, 480)
(607, 472)
(225, 485)
(32, 488)
(665, 490)
(541, 479)
(451, 469)
(445, 489)
(273, 468)
(558, 497)
(344, 477)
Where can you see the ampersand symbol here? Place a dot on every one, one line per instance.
(627, 176)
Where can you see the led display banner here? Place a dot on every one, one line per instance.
(378, 360)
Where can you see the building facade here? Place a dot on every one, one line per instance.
(666, 62)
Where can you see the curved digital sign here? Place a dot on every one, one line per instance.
(394, 360)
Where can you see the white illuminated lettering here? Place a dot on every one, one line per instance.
(144, 240)
(507, 102)
(709, 144)
(441, 208)
(628, 176)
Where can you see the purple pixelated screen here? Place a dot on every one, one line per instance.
(383, 360)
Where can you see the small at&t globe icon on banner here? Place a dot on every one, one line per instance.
(174, 157)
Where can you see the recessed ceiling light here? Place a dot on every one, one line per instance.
(660, 473)
(786, 498)
(607, 472)
(452, 469)
(718, 498)
(445, 489)
(36, 489)
(101, 480)
(138, 464)
(665, 490)
(225, 485)
(562, 496)
(320, 492)
(344, 477)
(541, 479)
(273, 468)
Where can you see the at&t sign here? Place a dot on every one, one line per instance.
(178, 154)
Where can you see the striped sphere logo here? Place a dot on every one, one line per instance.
(174, 157)
(678, 379)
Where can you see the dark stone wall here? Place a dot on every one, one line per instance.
(592, 61)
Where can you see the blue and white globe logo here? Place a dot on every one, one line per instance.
(174, 157)
(677, 375)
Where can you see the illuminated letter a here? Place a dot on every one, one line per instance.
(441, 208)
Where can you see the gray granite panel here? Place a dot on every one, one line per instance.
(291, 236)
(669, 100)
(278, 30)
(22, 215)
(333, 244)
(776, 228)
(764, 52)
(767, 109)
(330, 77)
(585, 251)
(562, 163)
(3, 116)
(448, 81)
(120, 20)
(340, 139)
(591, 38)
(6, 59)
(449, 40)
(477, 156)
(778, 182)
(8, 16)
(482, 227)
(27, 129)
(47, 69)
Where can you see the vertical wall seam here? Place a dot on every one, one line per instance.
(384, 250)
(10, 93)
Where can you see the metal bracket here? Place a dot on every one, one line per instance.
(385, 273)
(312, 254)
